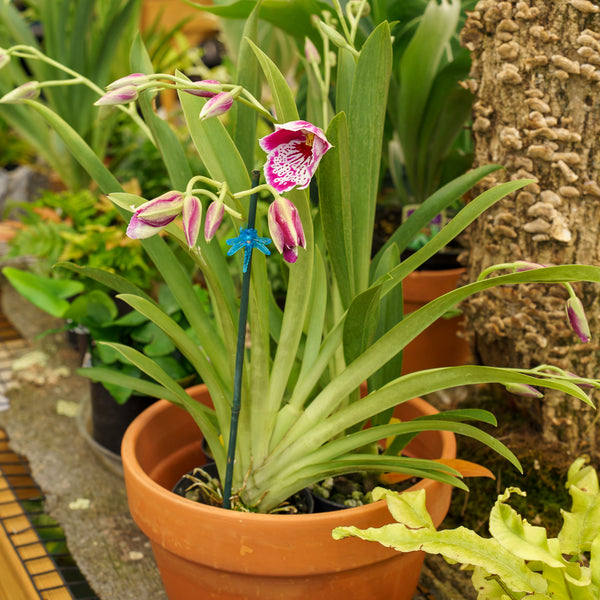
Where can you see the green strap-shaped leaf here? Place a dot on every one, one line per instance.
(202, 415)
(283, 98)
(434, 205)
(244, 117)
(335, 207)
(417, 69)
(391, 313)
(365, 133)
(111, 280)
(361, 323)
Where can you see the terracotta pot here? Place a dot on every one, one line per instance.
(439, 345)
(206, 552)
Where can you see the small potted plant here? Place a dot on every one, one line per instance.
(519, 559)
(282, 406)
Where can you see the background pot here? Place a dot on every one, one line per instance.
(439, 345)
(206, 552)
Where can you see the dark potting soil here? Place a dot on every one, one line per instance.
(202, 485)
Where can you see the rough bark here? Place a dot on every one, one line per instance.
(536, 74)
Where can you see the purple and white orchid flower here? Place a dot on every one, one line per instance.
(293, 150)
(285, 228)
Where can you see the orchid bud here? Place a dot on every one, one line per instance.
(214, 217)
(311, 52)
(525, 265)
(4, 57)
(134, 79)
(577, 318)
(152, 216)
(522, 389)
(121, 95)
(358, 9)
(162, 210)
(285, 228)
(337, 38)
(217, 105)
(27, 91)
(203, 93)
(192, 217)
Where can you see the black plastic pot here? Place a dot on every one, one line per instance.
(110, 419)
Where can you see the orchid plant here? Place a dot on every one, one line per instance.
(285, 383)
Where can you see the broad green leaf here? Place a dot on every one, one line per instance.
(517, 536)
(44, 292)
(214, 145)
(361, 323)
(346, 70)
(111, 280)
(244, 117)
(409, 508)
(365, 134)
(283, 98)
(335, 207)
(391, 313)
(434, 205)
(417, 69)
(582, 524)
(459, 545)
(163, 135)
(202, 415)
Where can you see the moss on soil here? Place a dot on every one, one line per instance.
(544, 463)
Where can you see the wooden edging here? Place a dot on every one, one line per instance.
(27, 571)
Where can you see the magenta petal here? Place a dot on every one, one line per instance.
(192, 216)
(277, 138)
(138, 230)
(290, 254)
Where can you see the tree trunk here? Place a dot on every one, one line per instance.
(536, 75)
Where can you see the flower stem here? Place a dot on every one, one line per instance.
(240, 351)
